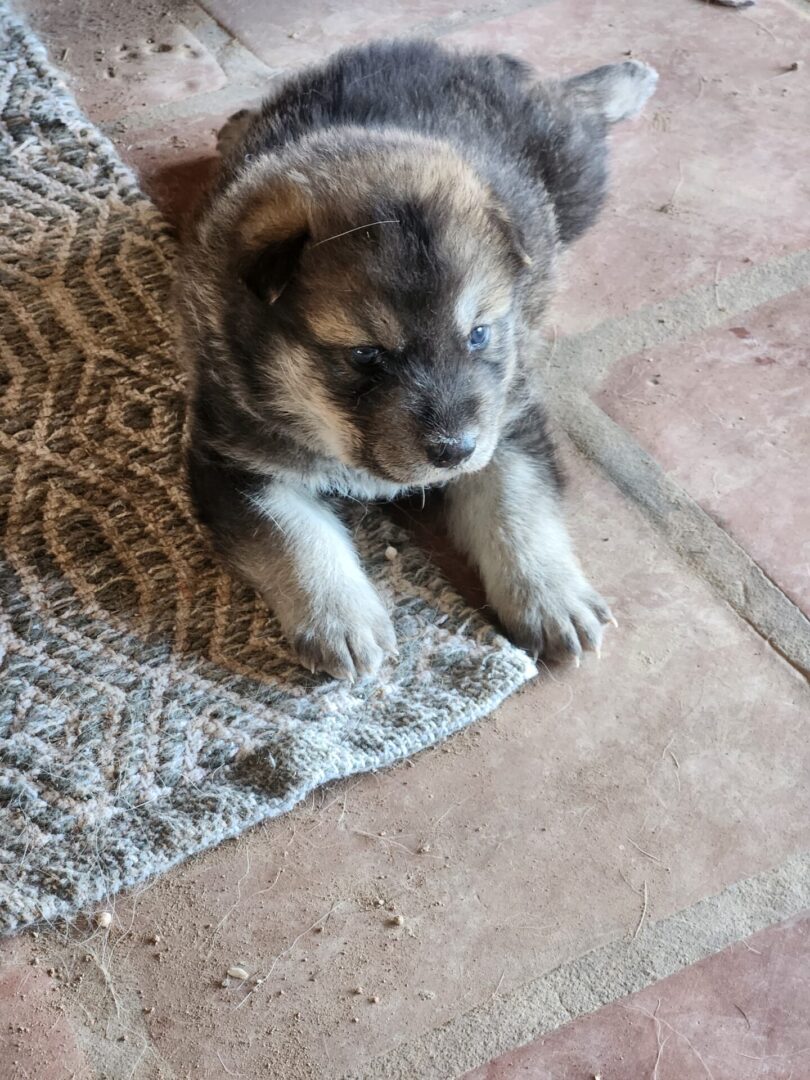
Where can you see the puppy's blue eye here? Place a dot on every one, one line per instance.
(479, 337)
(366, 354)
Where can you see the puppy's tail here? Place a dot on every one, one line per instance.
(615, 92)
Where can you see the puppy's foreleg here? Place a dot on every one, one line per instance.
(507, 518)
(294, 551)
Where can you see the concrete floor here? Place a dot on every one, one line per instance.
(596, 803)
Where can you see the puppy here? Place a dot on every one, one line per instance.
(360, 297)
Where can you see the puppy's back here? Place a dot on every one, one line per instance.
(412, 85)
(517, 132)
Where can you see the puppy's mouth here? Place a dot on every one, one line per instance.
(424, 474)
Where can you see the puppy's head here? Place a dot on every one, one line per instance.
(381, 279)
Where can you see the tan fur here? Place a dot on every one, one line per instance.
(302, 396)
(272, 214)
(362, 300)
(334, 323)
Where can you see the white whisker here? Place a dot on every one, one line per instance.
(357, 228)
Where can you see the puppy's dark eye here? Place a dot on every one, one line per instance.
(479, 337)
(366, 354)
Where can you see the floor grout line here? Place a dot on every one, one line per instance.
(240, 92)
(688, 529)
(585, 358)
(602, 976)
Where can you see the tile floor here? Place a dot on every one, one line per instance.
(672, 770)
(715, 1019)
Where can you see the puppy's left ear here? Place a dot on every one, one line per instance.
(512, 237)
(268, 272)
(272, 235)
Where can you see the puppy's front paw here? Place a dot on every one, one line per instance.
(346, 634)
(557, 617)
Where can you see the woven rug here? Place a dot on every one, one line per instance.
(148, 706)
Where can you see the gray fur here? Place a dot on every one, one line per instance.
(411, 203)
(528, 568)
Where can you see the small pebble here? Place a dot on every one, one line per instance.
(374, 1000)
(103, 919)
(391, 553)
(357, 990)
(424, 849)
(396, 920)
(238, 972)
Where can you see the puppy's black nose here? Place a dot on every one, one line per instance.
(449, 452)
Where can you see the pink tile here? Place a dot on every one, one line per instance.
(178, 159)
(740, 1015)
(177, 186)
(713, 175)
(728, 415)
(123, 61)
(175, 162)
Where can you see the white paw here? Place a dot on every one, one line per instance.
(346, 633)
(557, 618)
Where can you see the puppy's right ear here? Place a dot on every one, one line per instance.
(273, 233)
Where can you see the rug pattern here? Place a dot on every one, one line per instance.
(148, 706)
